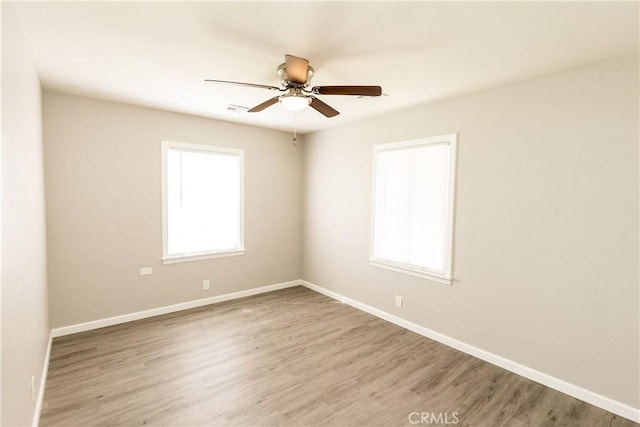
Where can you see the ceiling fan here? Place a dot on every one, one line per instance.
(295, 75)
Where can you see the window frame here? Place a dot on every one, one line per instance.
(165, 146)
(445, 276)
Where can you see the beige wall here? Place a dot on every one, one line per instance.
(546, 229)
(102, 163)
(25, 327)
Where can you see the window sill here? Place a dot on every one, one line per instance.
(399, 268)
(174, 259)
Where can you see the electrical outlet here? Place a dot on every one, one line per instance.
(33, 388)
(205, 285)
(398, 301)
(145, 271)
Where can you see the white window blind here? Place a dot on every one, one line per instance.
(203, 202)
(413, 206)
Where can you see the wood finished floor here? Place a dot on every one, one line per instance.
(290, 357)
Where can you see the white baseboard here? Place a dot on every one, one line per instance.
(43, 383)
(323, 291)
(116, 320)
(593, 398)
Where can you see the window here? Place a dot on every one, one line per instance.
(202, 192)
(413, 187)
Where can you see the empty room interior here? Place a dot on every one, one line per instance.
(314, 213)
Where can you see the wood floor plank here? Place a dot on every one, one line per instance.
(290, 357)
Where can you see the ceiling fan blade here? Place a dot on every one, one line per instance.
(296, 69)
(265, 104)
(348, 90)
(245, 84)
(323, 108)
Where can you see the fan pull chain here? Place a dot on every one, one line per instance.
(295, 133)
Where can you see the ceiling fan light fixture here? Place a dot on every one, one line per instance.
(295, 102)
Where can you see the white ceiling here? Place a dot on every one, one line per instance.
(157, 54)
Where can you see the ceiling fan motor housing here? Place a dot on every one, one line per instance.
(282, 73)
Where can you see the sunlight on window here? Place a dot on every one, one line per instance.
(411, 208)
(203, 201)
(412, 205)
